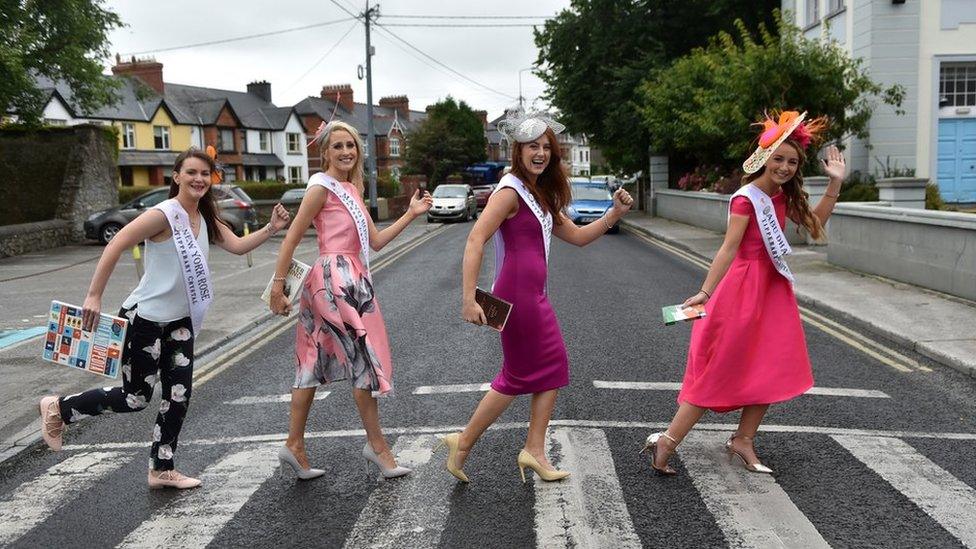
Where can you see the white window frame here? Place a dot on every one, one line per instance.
(812, 12)
(264, 140)
(962, 77)
(161, 133)
(294, 142)
(128, 135)
(395, 146)
(222, 142)
(294, 174)
(835, 6)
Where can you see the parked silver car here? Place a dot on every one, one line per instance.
(236, 208)
(453, 202)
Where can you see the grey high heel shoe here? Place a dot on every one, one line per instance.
(652, 443)
(370, 456)
(285, 457)
(751, 467)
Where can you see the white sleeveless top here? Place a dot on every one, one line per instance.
(161, 293)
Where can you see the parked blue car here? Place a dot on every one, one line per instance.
(591, 199)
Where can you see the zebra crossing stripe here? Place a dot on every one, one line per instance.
(319, 395)
(194, 519)
(35, 501)
(410, 511)
(751, 509)
(934, 490)
(441, 389)
(587, 509)
(676, 386)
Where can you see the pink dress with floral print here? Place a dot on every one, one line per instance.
(341, 333)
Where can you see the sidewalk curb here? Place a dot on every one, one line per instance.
(30, 436)
(923, 348)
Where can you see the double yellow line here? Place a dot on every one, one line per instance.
(234, 355)
(868, 346)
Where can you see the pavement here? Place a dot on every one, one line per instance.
(29, 282)
(936, 325)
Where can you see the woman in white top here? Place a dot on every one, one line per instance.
(164, 311)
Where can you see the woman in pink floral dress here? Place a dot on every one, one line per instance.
(341, 333)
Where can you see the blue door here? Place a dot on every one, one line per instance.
(956, 171)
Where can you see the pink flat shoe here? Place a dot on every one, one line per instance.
(52, 426)
(171, 479)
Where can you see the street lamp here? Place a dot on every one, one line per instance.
(520, 82)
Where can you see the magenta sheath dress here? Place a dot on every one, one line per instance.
(532, 344)
(750, 348)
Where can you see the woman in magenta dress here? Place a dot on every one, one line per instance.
(340, 333)
(524, 210)
(749, 351)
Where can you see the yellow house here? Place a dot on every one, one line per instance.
(147, 150)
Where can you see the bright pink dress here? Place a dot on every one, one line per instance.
(341, 333)
(750, 347)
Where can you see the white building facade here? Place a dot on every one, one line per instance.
(929, 48)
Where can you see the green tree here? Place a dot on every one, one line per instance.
(595, 54)
(63, 40)
(700, 108)
(451, 138)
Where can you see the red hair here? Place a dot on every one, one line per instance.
(551, 188)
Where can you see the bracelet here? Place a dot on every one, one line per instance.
(277, 279)
(702, 291)
(607, 225)
(271, 232)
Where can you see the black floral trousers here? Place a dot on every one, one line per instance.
(150, 349)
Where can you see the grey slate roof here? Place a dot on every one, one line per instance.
(382, 116)
(261, 159)
(147, 158)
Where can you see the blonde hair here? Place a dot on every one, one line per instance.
(356, 176)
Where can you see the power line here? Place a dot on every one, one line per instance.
(428, 56)
(239, 38)
(344, 8)
(397, 16)
(324, 55)
(457, 25)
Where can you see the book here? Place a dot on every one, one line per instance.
(496, 309)
(96, 352)
(679, 313)
(293, 281)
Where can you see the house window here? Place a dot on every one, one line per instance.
(294, 143)
(394, 146)
(813, 12)
(834, 6)
(55, 122)
(128, 135)
(161, 137)
(294, 175)
(225, 141)
(263, 141)
(957, 85)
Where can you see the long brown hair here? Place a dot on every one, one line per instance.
(797, 199)
(207, 205)
(551, 188)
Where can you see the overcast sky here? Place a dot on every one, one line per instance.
(490, 56)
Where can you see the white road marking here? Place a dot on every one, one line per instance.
(642, 426)
(410, 511)
(676, 386)
(751, 509)
(933, 489)
(195, 518)
(587, 509)
(319, 395)
(36, 500)
(441, 389)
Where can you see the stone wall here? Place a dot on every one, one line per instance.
(29, 237)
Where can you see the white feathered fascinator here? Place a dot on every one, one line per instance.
(524, 127)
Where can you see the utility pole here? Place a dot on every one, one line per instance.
(521, 99)
(370, 137)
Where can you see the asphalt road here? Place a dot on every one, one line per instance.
(882, 457)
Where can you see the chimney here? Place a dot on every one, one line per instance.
(345, 95)
(147, 70)
(261, 89)
(483, 115)
(398, 102)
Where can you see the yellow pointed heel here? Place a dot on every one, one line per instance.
(526, 459)
(452, 442)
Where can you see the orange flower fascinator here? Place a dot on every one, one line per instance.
(218, 174)
(788, 125)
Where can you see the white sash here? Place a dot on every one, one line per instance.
(196, 272)
(362, 226)
(545, 219)
(772, 234)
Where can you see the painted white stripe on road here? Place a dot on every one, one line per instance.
(36, 500)
(410, 511)
(319, 395)
(195, 518)
(441, 389)
(587, 509)
(934, 490)
(751, 509)
(674, 386)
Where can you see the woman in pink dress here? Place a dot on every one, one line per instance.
(524, 210)
(749, 351)
(340, 333)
